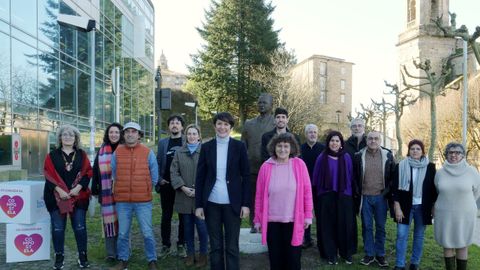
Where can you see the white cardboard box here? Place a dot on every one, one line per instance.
(22, 202)
(28, 242)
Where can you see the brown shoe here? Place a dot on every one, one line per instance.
(202, 260)
(152, 265)
(121, 265)
(189, 260)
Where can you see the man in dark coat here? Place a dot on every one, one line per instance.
(281, 121)
(166, 151)
(373, 168)
(310, 150)
(358, 139)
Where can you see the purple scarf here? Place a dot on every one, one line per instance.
(324, 181)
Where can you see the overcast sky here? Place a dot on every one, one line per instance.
(362, 32)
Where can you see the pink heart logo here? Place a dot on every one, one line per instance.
(28, 244)
(11, 205)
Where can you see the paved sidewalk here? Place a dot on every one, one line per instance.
(70, 258)
(477, 232)
(251, 243)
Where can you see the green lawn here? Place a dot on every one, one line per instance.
(432, 257)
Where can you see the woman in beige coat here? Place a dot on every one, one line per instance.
(183, 172)
(458, 186)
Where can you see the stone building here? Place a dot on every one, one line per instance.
(422, 39)
(330, 80)
(171, 79)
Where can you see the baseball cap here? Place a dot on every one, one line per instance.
(132, 125)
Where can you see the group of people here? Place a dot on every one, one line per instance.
(267, 175)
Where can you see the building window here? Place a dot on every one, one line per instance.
(342, 70)
(323, 83)
(342, 84)
(323, 69)
(411, 10)
(67, 89)
(323, 97)
(342, 98)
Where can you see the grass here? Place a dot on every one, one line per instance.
(432, 256)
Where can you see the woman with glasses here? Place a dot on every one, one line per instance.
(414, 194)
(458, 186)
(67, 171)
(283, 202)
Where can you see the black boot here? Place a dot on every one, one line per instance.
(58, 261)
(450, 263)
(82, 260)
(461, 264)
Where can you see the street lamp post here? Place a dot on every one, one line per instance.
(87, 25)
(158, 101)
(195, 106)
(465, 95)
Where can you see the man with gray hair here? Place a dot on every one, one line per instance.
(253, 129)
(357, 140)
(310, 150)
(373, 170)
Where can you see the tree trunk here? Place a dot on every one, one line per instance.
(474, 47)
(399, 153)
(243, 114)
(433, 124)
(384, 127)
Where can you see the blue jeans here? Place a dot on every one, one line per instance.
(418, 235)
(374, 208)
(190, 221)
(143, 212)
(77, 219)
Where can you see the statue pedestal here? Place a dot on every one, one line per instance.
(251, 243)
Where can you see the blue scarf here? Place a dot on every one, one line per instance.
(192, 147)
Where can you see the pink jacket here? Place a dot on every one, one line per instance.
(303, 199)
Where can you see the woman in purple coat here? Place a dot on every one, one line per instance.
(332, 176)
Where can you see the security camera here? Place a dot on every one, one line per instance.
(82, 23)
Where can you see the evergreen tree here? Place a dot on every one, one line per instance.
(238, 37)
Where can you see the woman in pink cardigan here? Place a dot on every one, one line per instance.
(283, 202)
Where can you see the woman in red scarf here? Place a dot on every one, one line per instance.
(67, 171)
(102, 186)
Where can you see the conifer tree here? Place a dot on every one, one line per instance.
(238, 36)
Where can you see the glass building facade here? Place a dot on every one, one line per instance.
(45, 70)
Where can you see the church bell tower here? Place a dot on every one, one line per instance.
(421, 39)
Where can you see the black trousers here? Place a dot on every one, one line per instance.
(167, 200)
(307, 238)
(336, 226)
(223, 227)
(281, 253)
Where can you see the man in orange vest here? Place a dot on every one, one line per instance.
(134, 172)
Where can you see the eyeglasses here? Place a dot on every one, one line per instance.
(68, 135)
(356, 126)
(373, 138)
(455, 153)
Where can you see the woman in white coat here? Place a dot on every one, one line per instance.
(458, 186)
